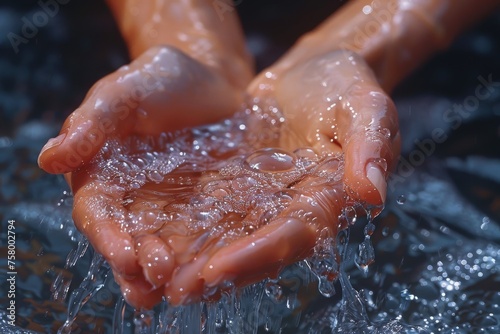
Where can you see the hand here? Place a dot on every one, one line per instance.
(334, 104)
(178, 233)
(146, 97)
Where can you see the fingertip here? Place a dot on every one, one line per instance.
(156, 259)
(138, 292)
(114, 244)
(45, 158)
(366, 167)
(375, 174)
(186, 284)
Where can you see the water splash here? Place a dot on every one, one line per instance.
(366, 253)
(91, 284)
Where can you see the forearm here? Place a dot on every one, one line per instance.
(393, 36)
(199, 28)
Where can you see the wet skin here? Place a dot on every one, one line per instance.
(181, 272)
(331, 100)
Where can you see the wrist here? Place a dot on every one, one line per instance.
(393, 37)
(194, 28)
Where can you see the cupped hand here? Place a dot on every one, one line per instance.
(179, 215)
(334, 104)
(162, 90)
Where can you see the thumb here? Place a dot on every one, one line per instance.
(371, 147)
(85, 131)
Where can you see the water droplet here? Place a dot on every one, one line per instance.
(369, 229)
(306, 153)
(365, 255)
(485, 223)
(326, 287)
(385, 132)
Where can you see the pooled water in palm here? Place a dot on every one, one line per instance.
(230, 170)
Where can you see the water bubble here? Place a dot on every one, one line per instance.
(306, 153)
(155, 176)
(306, 158)
(271, 160)
(401, 200)
(326, 286)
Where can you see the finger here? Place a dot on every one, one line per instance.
(138, 292)
(94, 213)
(260, 254)
(371, 144)
(184, 246)
(335, 103)
(187, 284)
(155, 258)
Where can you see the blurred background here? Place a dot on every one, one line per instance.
(437, 243)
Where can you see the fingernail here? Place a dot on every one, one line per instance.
(52, 142)
(374, 174)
